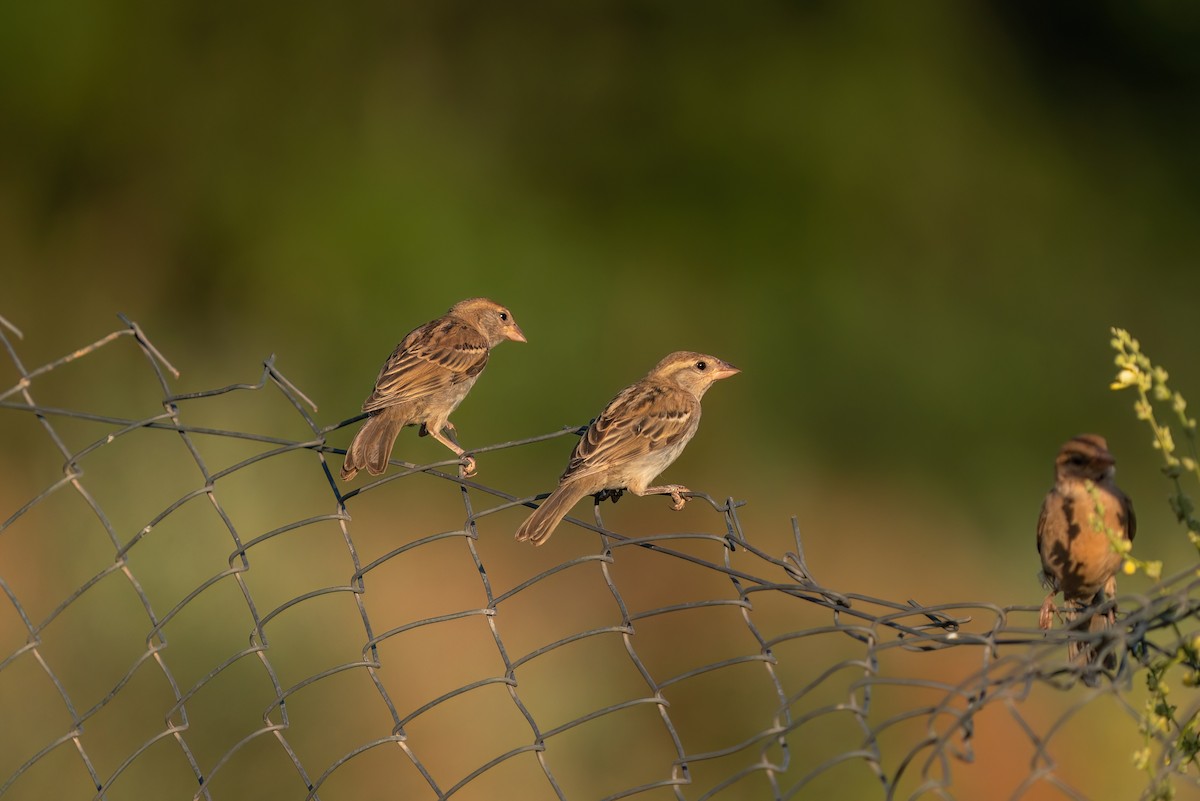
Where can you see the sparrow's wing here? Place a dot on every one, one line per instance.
(430, 359)
(641, 419)
(1127, 513)
(1041, 529)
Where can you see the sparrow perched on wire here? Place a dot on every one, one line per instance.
(637, 436)
(426, 377)
(1077, 558)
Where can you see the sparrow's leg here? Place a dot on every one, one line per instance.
(1110, 592)
(606, 494)
(674, 490)
(424, 432)
(1046, 616)
(467, 468)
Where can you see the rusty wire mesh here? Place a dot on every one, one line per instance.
(389, 640)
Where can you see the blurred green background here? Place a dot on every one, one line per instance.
(911, 225)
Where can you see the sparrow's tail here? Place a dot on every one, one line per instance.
(372, 445)
(1093, 650)
(541, 524)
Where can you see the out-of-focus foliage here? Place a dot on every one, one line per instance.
(911, 225)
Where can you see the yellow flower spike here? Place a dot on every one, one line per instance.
(1154, 570)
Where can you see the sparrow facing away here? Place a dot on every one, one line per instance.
(426, 377)
(1077, 559)
(637, 436)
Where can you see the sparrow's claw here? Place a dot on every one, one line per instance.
(677, 497)
(674, 490)
(466, 467)
(1111, 614)
(609, 494)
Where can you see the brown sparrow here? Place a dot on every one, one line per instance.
(637, 436)
(1077, 559)
(426, 377)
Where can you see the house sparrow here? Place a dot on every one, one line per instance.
(637, 436)
(426, 377)
(1077, 559)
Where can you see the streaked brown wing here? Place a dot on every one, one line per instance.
(1130, 517)
(431, 358)
(1041, 526)
(641, 419)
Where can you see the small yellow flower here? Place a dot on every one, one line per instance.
(1129, 568)
(1126, 378)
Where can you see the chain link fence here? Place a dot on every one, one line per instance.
(193, 609)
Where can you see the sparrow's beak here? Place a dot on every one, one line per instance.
(515, 333)
(725, 371)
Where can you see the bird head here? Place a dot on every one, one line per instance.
(694, 372)
(496, 322)
(1085, 457)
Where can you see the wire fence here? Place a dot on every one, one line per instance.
(193, 610)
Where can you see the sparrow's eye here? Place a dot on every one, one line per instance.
(1078, 459)
(702, 366)
(504, 316)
